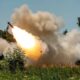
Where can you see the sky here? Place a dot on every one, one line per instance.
(67, 9)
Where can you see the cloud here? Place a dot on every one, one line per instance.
(43, 21)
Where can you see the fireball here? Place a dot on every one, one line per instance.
(28, 43)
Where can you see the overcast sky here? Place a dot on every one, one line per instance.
(68, 9)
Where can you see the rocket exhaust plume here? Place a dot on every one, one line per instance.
(29, 43)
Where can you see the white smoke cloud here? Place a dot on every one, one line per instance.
(5, 47)
(47, 21)
(71, 44)
(41, 20)
(60, 49)
(72, 38)
(3, 44)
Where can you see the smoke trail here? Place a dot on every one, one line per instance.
(42, 21)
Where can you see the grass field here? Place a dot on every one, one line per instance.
(36, 73)
(33, 73)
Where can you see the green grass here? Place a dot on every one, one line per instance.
(33, 73)
(38, 73)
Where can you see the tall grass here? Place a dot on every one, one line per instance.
(36, 73)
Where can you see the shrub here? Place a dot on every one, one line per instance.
(15, 60)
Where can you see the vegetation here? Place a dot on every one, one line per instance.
(12, 68)
(7, 36)
(33, 73)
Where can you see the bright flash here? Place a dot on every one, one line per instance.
(28, 43)
(24, 39)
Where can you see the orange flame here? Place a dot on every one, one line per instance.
(29, 44)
